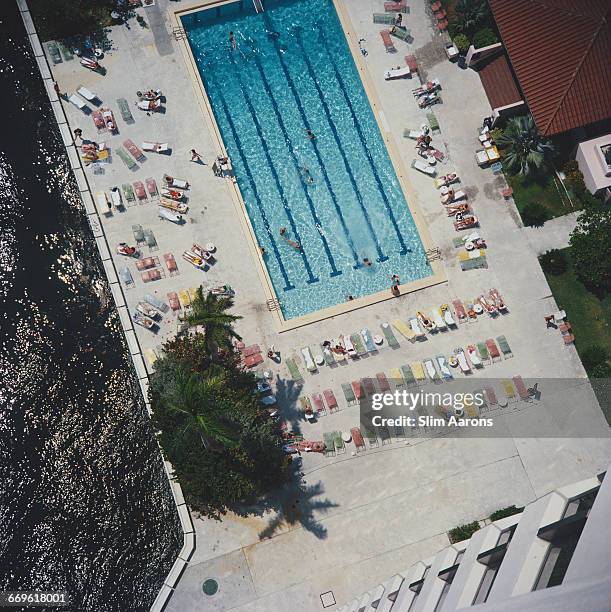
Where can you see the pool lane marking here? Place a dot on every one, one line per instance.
(267, 23)
(287, 282)
(287, 209)
(404, 249)
(274, 106)
(381, 256)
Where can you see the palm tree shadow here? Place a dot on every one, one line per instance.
(287, 393)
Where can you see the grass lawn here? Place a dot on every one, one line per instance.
(546, 191)
(589, 315)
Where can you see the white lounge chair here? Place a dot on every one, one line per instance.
(442, 363)
(422, 167)
(78, 102)
(168, 215)
(307, 357)
(397, 73)
(88, 95)
(415, 326)
(430, 369)
(462, 360)
(447, 316)
(349, 346)
(474, 356)
(155, 147)
(338, 356)
(439, 322)
(149, 105)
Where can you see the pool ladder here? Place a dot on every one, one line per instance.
(258, 6)
(179, 33)
(433, 254)
(273, 305)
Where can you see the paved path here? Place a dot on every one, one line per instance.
(555, 234)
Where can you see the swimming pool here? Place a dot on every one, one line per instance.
(336, 195)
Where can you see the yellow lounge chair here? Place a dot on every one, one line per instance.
(192, 293)
(151, 356)
(183, 297)
(418, 370)
(397, 377)
(405, 330)
(510, 392)
(471, 410)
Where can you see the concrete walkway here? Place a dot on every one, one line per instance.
(555, 234)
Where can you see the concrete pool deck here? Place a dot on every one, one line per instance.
(360, 519)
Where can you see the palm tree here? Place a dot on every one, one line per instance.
(527, 152)
(469, 14)
(192, 398)
(209, 312)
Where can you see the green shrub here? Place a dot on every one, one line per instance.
(570, 166)
(594, 356)
(462, 43)
(505, 512)
(484, 37)
(534, 215)
(554, 262)
(602, 370)
(496, 133)
(463, 532)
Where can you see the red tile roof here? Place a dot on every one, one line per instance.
(559, 50)
(499, 82)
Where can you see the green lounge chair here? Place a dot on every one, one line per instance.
(294, 370)
(433, 123)
(128, 192)
(358, 344)
(66, 52)
(340, 446)
(327, 438)
(408, 375)
(389, 335)
(53, 51)
(482, 349)
(328, 355)
(150, 239)
(401, 33)
(125, 112)
(370, 434)
(138, 234)
(384, 18)
(504, 346)
(349, 393)
(384, 434)
(125, 158)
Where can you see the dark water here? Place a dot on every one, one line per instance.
(84, 503)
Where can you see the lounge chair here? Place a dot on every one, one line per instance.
(490, 396)
(388, 43)
(349, 394)
(493, 350)
(463, 362)
(504, 346)
(357, 438)
(370, 435)
(473, 356)
(395, 7)
(329, 441)
(508, 389)
(349, 346)
(405, 330)
(155, 147)
(445, 312)
(174, 301)
(391, 340)
(411, 63)
(151, 186)
(147, 262)
(53, 51)
(338, 441)
(330, 399)
(138, 234)
(442, 25)
(368, 385)
(150, 239)
(152, 275)
(137, 154)
(415, 326)
(369, 343)
(328, 355)
(185, 300)
(103, 203)
(521, 389)
(459, 310)
(358, 344)
(418, 370)
(339, 357)
(568, 338)
(413, 134)
(433, 123)
(125, 158)
(439, 320)
(397, 378)
(384, 19)
(85, 93)
(149, 105)
(193, 294)
(293, 370)
(319, 405)
(482, 349)
(431, 370)
(139, 189)
(384, 434)
(173, 182)
(247, 351)
(422, 167)
(308, 360)
(397, 73)
(306, 407)
(253, 360)
(383, 384)
(128, 192)
(78, 102)
(126, 276)
(408, 375)
(124, 110)
(155, 302)
(442, 364)
(359, 391)
(403, 34)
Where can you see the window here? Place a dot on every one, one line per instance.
(492, 559)
(447, 576)
(416, 587)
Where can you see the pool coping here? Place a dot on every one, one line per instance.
(438, 275)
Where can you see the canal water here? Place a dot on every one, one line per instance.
(85, 506)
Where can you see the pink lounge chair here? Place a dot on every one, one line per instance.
(253, 349)
(253, 360)
(411, 63)
(151, 186)
(357, 438)
(170, 263)
(435, 6)
(490, 396)
(383, 382)
(395, 7)
(319, 405)
(139, 189)
(568, 338)
(146, 263)
(369, 386)
(442, 25)
(387, 40)
(357, 387)
(493, 349)
(98, 120)
(521, 389)
(136, 153)
(330, 399)
(174, 301)
(459, 309)
(151, 275)
(441, 15)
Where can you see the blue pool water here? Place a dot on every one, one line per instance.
(291, 71)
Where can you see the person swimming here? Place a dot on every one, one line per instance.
(306, 175)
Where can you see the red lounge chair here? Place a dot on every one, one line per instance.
(252, 360)
(521, 389)
(330, 399)
(507, 192)
(383, 382)
(395, 7)
(170, 263)
(357, 387)
(357, 438)
(459, 309)
(490, 396)
(442, 25)
(253, 349)
(435, 6)
(174, 301)
(411, 63)
(565, 327)
(98, 120)
(388, 43)
(493, 349)
(146, 263)
(137, 154)
(369, 386)
(151, 185)
(139, 189)
(568, 338)
(319, 405)
(441, 15)
(151, 275)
